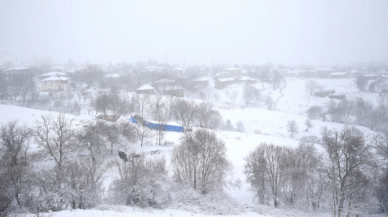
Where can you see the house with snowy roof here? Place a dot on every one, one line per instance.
(145, 89)
(162, 83)
(55, 83)
(174, 91)
(51, 74)
(339, 75)
(221, 83)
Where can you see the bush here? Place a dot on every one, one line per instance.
(142, 182)
(214, 203)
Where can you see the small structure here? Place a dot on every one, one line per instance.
(230, 72)
(224, 82)
(340, 97)
(370, 76)
(51, 74)
(248, 80)
(54, 84)
(111, 118)
(322, 72)
(174, 91)
(145, 89)
(324, 93)
(200, 82)
(160, 84)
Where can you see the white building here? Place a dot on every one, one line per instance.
(55, 83)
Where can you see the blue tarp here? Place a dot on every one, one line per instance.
(133, 120)
(156, 126)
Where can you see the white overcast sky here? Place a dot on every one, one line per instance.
(321, 32)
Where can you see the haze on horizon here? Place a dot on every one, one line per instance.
(318, 32)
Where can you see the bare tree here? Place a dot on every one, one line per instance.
(141, 181)
(159, 112)
(55, 135)
(314, 111)
(101, 104)
(200, 161)
(361, 82)
(233, 96)
(308, 124)
(251, 95)
(267, 170)
(14, 139)
(185, 111)
(207, 116)
(269, 102)
(292, 127)
(143, 133)
(350, 160)
(240, 126)
(311, 86)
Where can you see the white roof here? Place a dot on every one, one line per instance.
(226, 79)
(338, 73)
(173, 88)
(164, 81)
(112, 76)
(146, 87)
(369, 75)
(54, 73)
(56, 78)
(17, 68)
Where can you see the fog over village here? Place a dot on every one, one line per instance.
(194, 108)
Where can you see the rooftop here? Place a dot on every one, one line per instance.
(56, 78)
(146, 87)
(112, 76)
(54, 73)
(226, 79)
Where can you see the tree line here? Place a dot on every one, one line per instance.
(349, 178)
(70, 165)
(355, 111)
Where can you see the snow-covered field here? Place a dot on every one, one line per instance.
(261, 125)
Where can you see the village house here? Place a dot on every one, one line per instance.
(248, 80)
(324, 93)
(55, 83)
(229, 72)
(223, 82)
(339, 75)
(174, 91)
(340, 97)
(162, 83)
(154, 68)
(322, 72)
(145, 89)
(200, 82)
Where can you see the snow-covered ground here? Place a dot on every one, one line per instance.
(261, 125)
